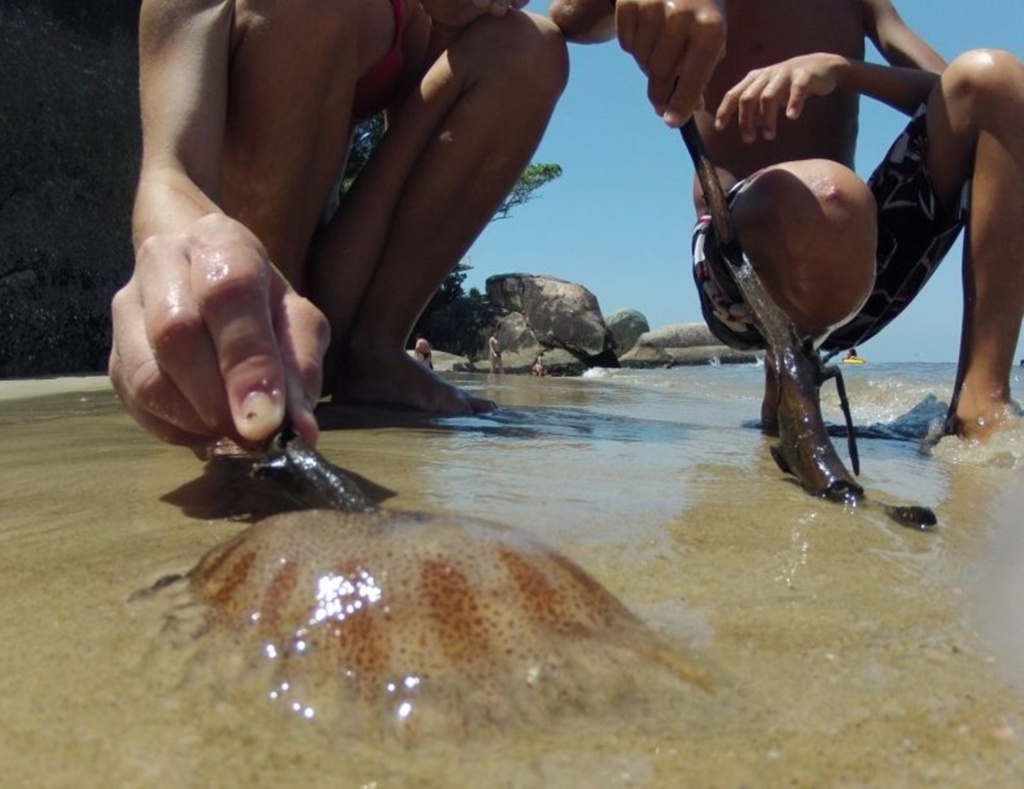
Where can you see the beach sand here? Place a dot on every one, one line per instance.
(846, 651)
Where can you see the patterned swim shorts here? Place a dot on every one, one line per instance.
(914, 234)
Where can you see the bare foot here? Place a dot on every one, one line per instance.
(392, 379)
(981, 425)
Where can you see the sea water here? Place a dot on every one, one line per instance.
(846, 650)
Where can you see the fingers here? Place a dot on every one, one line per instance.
(677, 44)
(699, 59)
(798, 94)
(304, 334)
(230, 277)
(211, 342)
(148, 395)
(185, 387)
(757, 100)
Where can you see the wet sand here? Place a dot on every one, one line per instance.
(847, 651)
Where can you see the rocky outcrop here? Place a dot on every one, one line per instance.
(679, 335)
(682, 344)
(561, 322)
(69, 127)
(549, 313)
(626, 326)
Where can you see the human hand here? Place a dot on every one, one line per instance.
(677, 44)
(211, 342)
(757, 99)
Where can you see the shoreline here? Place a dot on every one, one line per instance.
(26, 388)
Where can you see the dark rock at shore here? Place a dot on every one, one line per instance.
(69, 131)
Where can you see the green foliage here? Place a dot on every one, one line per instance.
(532, 179)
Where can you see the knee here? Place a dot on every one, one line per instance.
(810, 229)
(985, 78)
(808, 203)
(526, 52)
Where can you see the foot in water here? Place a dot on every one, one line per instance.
(981, 424)
(392, 379)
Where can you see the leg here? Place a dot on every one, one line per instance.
(976, 133)
(292, 80)
(809, 229)
(454, 151)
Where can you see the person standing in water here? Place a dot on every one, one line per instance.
(494, 352)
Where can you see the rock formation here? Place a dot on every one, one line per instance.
(69, 135)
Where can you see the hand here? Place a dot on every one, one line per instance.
(759, 97)
(210, 340)
(677, 44)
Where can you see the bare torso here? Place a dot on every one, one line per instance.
(762, 33)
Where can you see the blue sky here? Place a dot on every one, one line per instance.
(619, 218)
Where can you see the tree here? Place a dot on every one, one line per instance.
(532, 179)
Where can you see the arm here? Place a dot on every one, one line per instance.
(904, 85)
(676, 43)
(916, 64)
(584, 21)
(759, 97)
(209, 340)
(183, 57)
(899, 45)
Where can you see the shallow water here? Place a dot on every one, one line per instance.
(847, 651)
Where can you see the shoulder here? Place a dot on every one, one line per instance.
(185, 13)
(181, 21)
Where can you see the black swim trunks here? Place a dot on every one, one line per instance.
(914, 234)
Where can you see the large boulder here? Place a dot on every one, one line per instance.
(626, 326)
(679, 335)
(518, 342)
(682, 344)
(559, 314)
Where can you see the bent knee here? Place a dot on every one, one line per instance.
(810, 228)
(985, 75)
(523, 49)
(812, 193)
